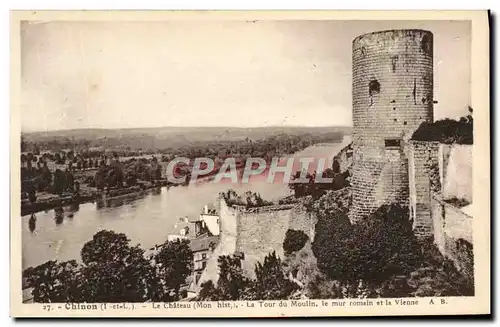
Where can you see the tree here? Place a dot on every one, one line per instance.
(386, 243)
(336, 167)
(99, 179)
(46, 176)
(32, 194)
(294, 241)
(114, 271)
(58, 159)
(373, 250)
(70, 181)
(53, 281)
(24, 144)
(59, 181)
(174, 263)
(271, 282)
(209, 292)
(232, 285)
(331, 244)
(76, 189)
(232, 282)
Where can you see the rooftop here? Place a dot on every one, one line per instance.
(202, 243)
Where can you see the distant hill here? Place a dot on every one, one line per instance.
(169, 137)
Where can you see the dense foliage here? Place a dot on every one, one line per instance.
(248, 199)
(447, 131)
(380, 256)
(271, 282)
(316, 190)
(294, 241)
(113, 271)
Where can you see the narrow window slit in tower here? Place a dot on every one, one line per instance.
(394, 63)
(415, 90)
(363, 52)
(373, 88)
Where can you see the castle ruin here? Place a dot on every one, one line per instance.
(392, 96)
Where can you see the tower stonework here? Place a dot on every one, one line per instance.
(392, 96)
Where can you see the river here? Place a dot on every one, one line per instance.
(146, 220)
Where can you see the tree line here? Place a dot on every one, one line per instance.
(316, 190)
(112, 270)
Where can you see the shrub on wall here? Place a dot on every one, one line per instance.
(316, 190)
(294, 241)
(248, 200)
(447, 131)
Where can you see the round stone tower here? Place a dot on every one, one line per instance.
(392, 96)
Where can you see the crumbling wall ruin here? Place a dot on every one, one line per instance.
(262, 230)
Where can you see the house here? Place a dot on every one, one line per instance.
(202, 248)
(183, 229)
(210, 220)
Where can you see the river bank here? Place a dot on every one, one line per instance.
(53, 201)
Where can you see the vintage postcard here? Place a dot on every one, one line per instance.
(249, 164)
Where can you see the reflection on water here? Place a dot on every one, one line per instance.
(146, 219)
(58, 215)
(156, 191)
(32, 223)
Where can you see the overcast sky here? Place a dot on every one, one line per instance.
(212, 73)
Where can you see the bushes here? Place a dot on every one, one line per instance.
(271, 282)
(447, 131)
(248, 200)
(113, 271)
(382, 254)
(294, 241)
(372, 250)
(316, 190)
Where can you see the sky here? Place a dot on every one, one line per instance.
(212, 73)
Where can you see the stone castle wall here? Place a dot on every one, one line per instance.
(422, 159)
(433, 167)
(262, 230)
(255, 232)
(456, 171)
(344, 158)
(453, 234)
(392, 96)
